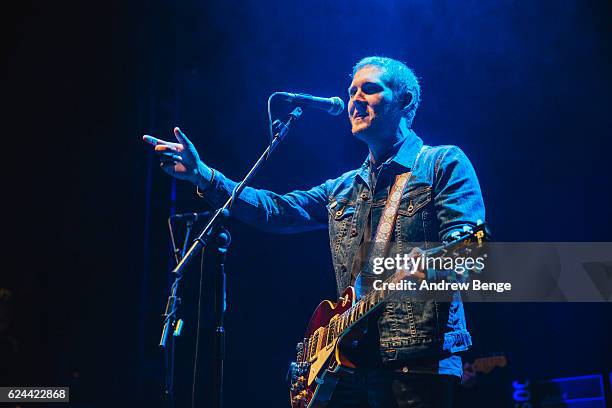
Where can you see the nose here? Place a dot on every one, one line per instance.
(359, 96)
(357, 101)
(359, 106)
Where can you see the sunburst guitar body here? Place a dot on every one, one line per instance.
(320, 361)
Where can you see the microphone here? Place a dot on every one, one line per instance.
(333, 106)
(190, 217)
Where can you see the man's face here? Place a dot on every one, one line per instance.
(371, 106)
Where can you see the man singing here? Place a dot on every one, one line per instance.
(408, 356)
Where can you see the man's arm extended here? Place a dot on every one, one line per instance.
(293, 212)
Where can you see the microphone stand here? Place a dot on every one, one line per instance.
(169, 351)
(214, 229)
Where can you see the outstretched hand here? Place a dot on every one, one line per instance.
(180, 160)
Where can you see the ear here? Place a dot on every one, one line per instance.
(406, 100)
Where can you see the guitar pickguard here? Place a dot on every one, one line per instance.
(321, 361)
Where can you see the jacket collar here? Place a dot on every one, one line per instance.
(405, 156)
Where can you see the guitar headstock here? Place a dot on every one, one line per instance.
(467, 241)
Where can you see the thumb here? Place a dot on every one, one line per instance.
(180, 136)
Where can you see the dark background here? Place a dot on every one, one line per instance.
(522, 87)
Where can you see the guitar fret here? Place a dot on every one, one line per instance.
(313, 347)
(310, 346)
(334, 328)
(305, 350)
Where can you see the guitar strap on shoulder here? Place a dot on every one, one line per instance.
(386, 224)
(389, 215)
(380, 243)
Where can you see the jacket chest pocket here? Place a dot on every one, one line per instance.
(415, 215)
(413, 201)
(341, 213)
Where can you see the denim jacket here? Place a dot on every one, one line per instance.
(441, 197)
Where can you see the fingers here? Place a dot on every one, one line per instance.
(171, 163)
(152, 140)
(180, 160)
(413, 274)
(169, 158)
(190, 154)
(180, 136)
(415, 252)
(161, 144)
(173, 168)
(166, 148)
(418, 275)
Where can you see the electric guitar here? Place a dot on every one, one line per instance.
(320, 362)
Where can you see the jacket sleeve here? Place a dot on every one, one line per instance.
(457, 196)
(297, 211)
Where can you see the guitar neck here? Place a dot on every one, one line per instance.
(369, 302)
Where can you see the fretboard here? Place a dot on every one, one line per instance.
(341, 323)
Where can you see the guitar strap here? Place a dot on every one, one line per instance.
(382, 237)
(386, 224)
